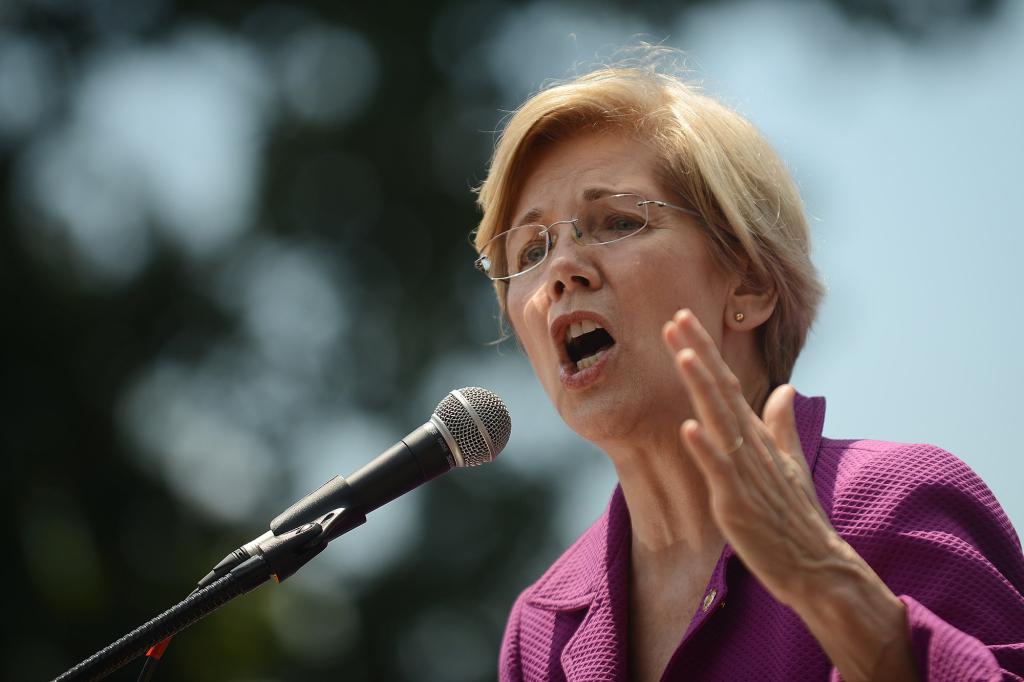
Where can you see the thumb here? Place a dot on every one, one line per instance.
(780, 419)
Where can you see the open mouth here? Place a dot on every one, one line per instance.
(585, 341)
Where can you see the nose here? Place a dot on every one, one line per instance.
(572, 266)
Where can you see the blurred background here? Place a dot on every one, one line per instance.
(234, 262)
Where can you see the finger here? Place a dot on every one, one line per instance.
(751, 427)
(722, 425)
(780, 419)
(690, 333)
(727, 481)
(670, 335)
(706, 398)
(710, 459)
(760, 441)
(747, 423)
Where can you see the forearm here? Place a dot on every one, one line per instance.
(859, 622)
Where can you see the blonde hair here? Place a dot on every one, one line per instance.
(714, 158)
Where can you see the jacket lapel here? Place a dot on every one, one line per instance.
(597, 651)
(597, 583)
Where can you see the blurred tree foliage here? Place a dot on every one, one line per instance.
(99, 542)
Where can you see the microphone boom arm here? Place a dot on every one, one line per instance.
(279, 556)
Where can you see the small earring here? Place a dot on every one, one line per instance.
(739, 317)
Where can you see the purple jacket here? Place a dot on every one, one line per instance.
(924, 521)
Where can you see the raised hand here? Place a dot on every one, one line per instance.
(763, 500)
(761, 492)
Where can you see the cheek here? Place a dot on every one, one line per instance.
(529, 323)
(683, 278)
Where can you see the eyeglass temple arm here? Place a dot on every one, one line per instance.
(665, 204)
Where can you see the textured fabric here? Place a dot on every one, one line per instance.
(920, 517)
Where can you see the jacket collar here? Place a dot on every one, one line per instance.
(585, 570)
(596, 567)
(594, 575)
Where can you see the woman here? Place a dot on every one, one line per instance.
(658, 278)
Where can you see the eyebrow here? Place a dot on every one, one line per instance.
(589, 194)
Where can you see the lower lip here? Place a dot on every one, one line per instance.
(585, 377)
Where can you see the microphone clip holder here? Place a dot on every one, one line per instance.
(286, 550)
(286, 553)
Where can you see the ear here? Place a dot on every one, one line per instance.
(750, 301)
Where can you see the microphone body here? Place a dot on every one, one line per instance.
(469, 427)
(422, 455)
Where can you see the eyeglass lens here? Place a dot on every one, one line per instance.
(601, 221)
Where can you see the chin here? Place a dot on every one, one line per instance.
(599, 418)
(633, 411)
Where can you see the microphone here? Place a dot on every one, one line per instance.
(469, 427)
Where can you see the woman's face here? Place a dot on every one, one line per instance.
(630, 288)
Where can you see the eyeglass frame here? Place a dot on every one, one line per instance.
(576, 232)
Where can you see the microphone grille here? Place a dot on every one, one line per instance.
(478, 421)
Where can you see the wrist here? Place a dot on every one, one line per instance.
(833, 577)
(859, 622)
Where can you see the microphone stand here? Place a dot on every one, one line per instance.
(276, 556)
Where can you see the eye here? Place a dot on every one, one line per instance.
(531, 254)
(618, 225)
(625, 224)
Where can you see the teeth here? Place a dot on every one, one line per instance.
(588, 361)
(579, 328)
(585, 362)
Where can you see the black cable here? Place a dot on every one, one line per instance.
(153, 659)
(148, 668)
